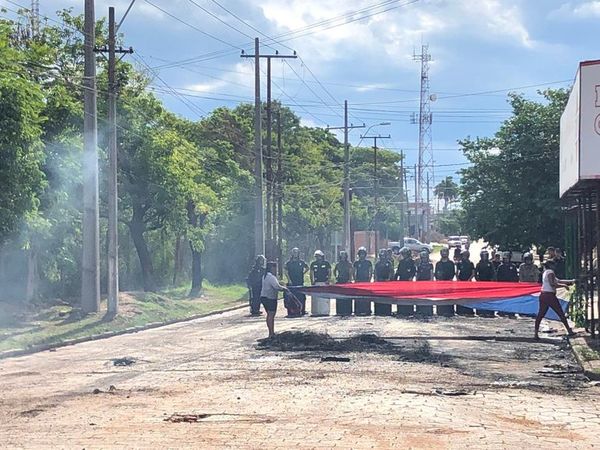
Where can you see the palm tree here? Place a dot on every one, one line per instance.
(447, 189)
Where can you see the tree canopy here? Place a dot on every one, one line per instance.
(510, 194)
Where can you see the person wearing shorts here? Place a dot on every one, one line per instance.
(269, 293)
(548, 297)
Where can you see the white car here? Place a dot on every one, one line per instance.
(454, 241)
(416, 246)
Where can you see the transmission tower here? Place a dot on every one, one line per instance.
(35, 18)
(425, 161)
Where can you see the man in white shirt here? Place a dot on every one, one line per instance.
(269, 293)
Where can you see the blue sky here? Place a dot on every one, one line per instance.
(481, 50)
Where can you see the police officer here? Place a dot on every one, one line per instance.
(445, 271)
(528, 271)
(363, 271)
(484, 271)
(295, 269)
(496, 261)
(343, 274)
(320, 273)
(405, 272)
(384, 271)
(254, 283)
(424, 273)
(390, 256)
(507, 271)
(465, 271)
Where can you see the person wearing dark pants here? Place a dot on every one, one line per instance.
(548, 298)
(484, 271)
(424, 273)
(269, 293)
(343, 274)
(465, 271)
(445, 271)
(363, 272)
(384, 270)
(254, 283)
(295, 270)
(405, 272)
(507, 271)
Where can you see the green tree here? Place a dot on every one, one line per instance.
(510, 193)
(447, 190)
(21, 149)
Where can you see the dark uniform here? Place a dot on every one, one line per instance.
(254, 283)
(464, 272)
(484, 271)
(507, 272)
(320, 271)
(445, 271)
(405, 272)
(362, 273)
(424, 273)
(384, 271)
(560, 268)
(343, 274)
(295, 269)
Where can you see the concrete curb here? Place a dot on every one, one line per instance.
(109, 334)
(591, 369)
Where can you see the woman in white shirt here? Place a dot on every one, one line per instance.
(269, 293)
(548, 297)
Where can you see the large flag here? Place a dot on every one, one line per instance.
(519, 298)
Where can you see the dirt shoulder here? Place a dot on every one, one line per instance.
(58, 322)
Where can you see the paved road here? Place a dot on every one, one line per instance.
(440, 383)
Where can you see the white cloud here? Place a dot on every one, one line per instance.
(584, 10)
(207, 87)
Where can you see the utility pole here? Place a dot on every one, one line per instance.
(259, 224)
(113, 208)
(346, 230)
(417, 227)
(35, 18)
(427, 210)
(425, 160)
(90, 262)
(402, 195)
(376, 186)
(279, 195)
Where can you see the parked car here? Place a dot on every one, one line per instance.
(454, 241)
(464, 240)
(416, 246)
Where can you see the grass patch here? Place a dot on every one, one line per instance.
(586, 353)
(57, 322)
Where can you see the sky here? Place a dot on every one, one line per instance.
(358, 51)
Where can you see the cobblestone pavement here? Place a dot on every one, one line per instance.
(437, 383)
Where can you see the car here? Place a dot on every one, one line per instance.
(454, 241)
(464, 240)
(416, 246)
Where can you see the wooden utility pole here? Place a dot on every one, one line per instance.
(90, 261)
(113, 235)
(346, 230)
(259, 238)
(376, 186)
(279, 191)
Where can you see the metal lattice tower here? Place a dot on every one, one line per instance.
(425, 162)
(35, 17)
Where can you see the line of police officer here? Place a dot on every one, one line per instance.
(385, 269)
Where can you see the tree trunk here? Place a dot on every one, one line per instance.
(195, 220)
(31, 286)
(196, 272)
(137, 229)
(177, 259)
